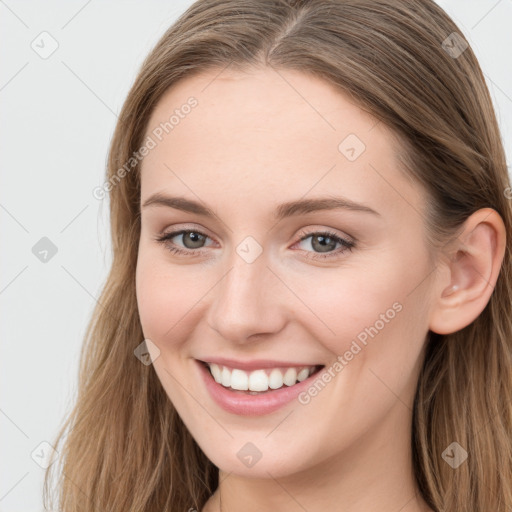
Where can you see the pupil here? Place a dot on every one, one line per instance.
(196, 238)
(324, 243)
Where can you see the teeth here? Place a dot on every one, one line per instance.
(303, 375)
(275, 381)
(290, 377)
(226, 377)
(239, 380)
(259, 380)
(216, 372)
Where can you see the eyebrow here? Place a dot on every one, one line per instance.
(288, 209)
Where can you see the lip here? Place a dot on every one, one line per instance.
(255, 364)
(240, 403)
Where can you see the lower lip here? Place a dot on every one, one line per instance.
(238, 402)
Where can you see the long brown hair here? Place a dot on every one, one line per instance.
(124, 447)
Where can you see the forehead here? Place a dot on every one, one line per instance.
(272, 134)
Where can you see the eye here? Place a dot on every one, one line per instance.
(191, 239)
(325, 242)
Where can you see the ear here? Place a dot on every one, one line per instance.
(469, 273)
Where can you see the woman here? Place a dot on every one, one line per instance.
(309, 302)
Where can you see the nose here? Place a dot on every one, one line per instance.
(248, 302)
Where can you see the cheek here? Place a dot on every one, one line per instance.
(363, 307)
(347, 305)
(164, 297)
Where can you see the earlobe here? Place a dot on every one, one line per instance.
(465, 288)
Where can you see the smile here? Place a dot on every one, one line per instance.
(258, 381)
(263, 390)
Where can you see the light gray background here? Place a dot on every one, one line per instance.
(58, 115)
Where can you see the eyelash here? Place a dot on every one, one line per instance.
(346, 244)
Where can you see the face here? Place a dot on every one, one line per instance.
(259, 288)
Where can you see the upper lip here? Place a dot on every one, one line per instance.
(255, 364)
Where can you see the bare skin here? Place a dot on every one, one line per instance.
(256, 140)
